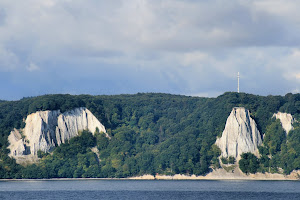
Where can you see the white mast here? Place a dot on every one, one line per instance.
(238, 76)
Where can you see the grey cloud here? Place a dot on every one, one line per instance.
(2, 16)
(136, 26)
(187, 47)
(215, 25)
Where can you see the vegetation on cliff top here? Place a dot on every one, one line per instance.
(151, 133)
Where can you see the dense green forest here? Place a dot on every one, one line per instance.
(153, 133)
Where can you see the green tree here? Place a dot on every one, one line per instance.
(274, 137)
(248, 163)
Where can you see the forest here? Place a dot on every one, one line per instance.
(153, 133)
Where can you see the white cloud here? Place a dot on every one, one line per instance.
(32, 67)
(194, 58)
(284, 8)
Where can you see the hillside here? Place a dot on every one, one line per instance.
(152, 133)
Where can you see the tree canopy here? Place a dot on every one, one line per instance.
(151, 133)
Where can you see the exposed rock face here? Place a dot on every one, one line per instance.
(46, 129)
(286, 120)
(240, 134)
(16, 142)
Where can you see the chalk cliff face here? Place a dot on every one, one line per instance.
(240, 134)
(286, 120)
(46, 129)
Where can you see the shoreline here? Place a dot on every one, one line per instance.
(216, 175)
(139, 179)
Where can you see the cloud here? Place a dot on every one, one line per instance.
(140, 25)
(32, 67)
(184, 47)
(9, 61)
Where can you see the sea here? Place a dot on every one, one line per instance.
(149, 189)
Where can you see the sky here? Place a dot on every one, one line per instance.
(188, 47)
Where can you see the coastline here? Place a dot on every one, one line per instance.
(219, 174)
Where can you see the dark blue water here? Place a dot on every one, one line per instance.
(133, 189)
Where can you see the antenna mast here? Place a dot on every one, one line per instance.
(238, 76)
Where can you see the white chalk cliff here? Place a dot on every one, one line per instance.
(46, 129)
(286, 120)
(240, 134)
